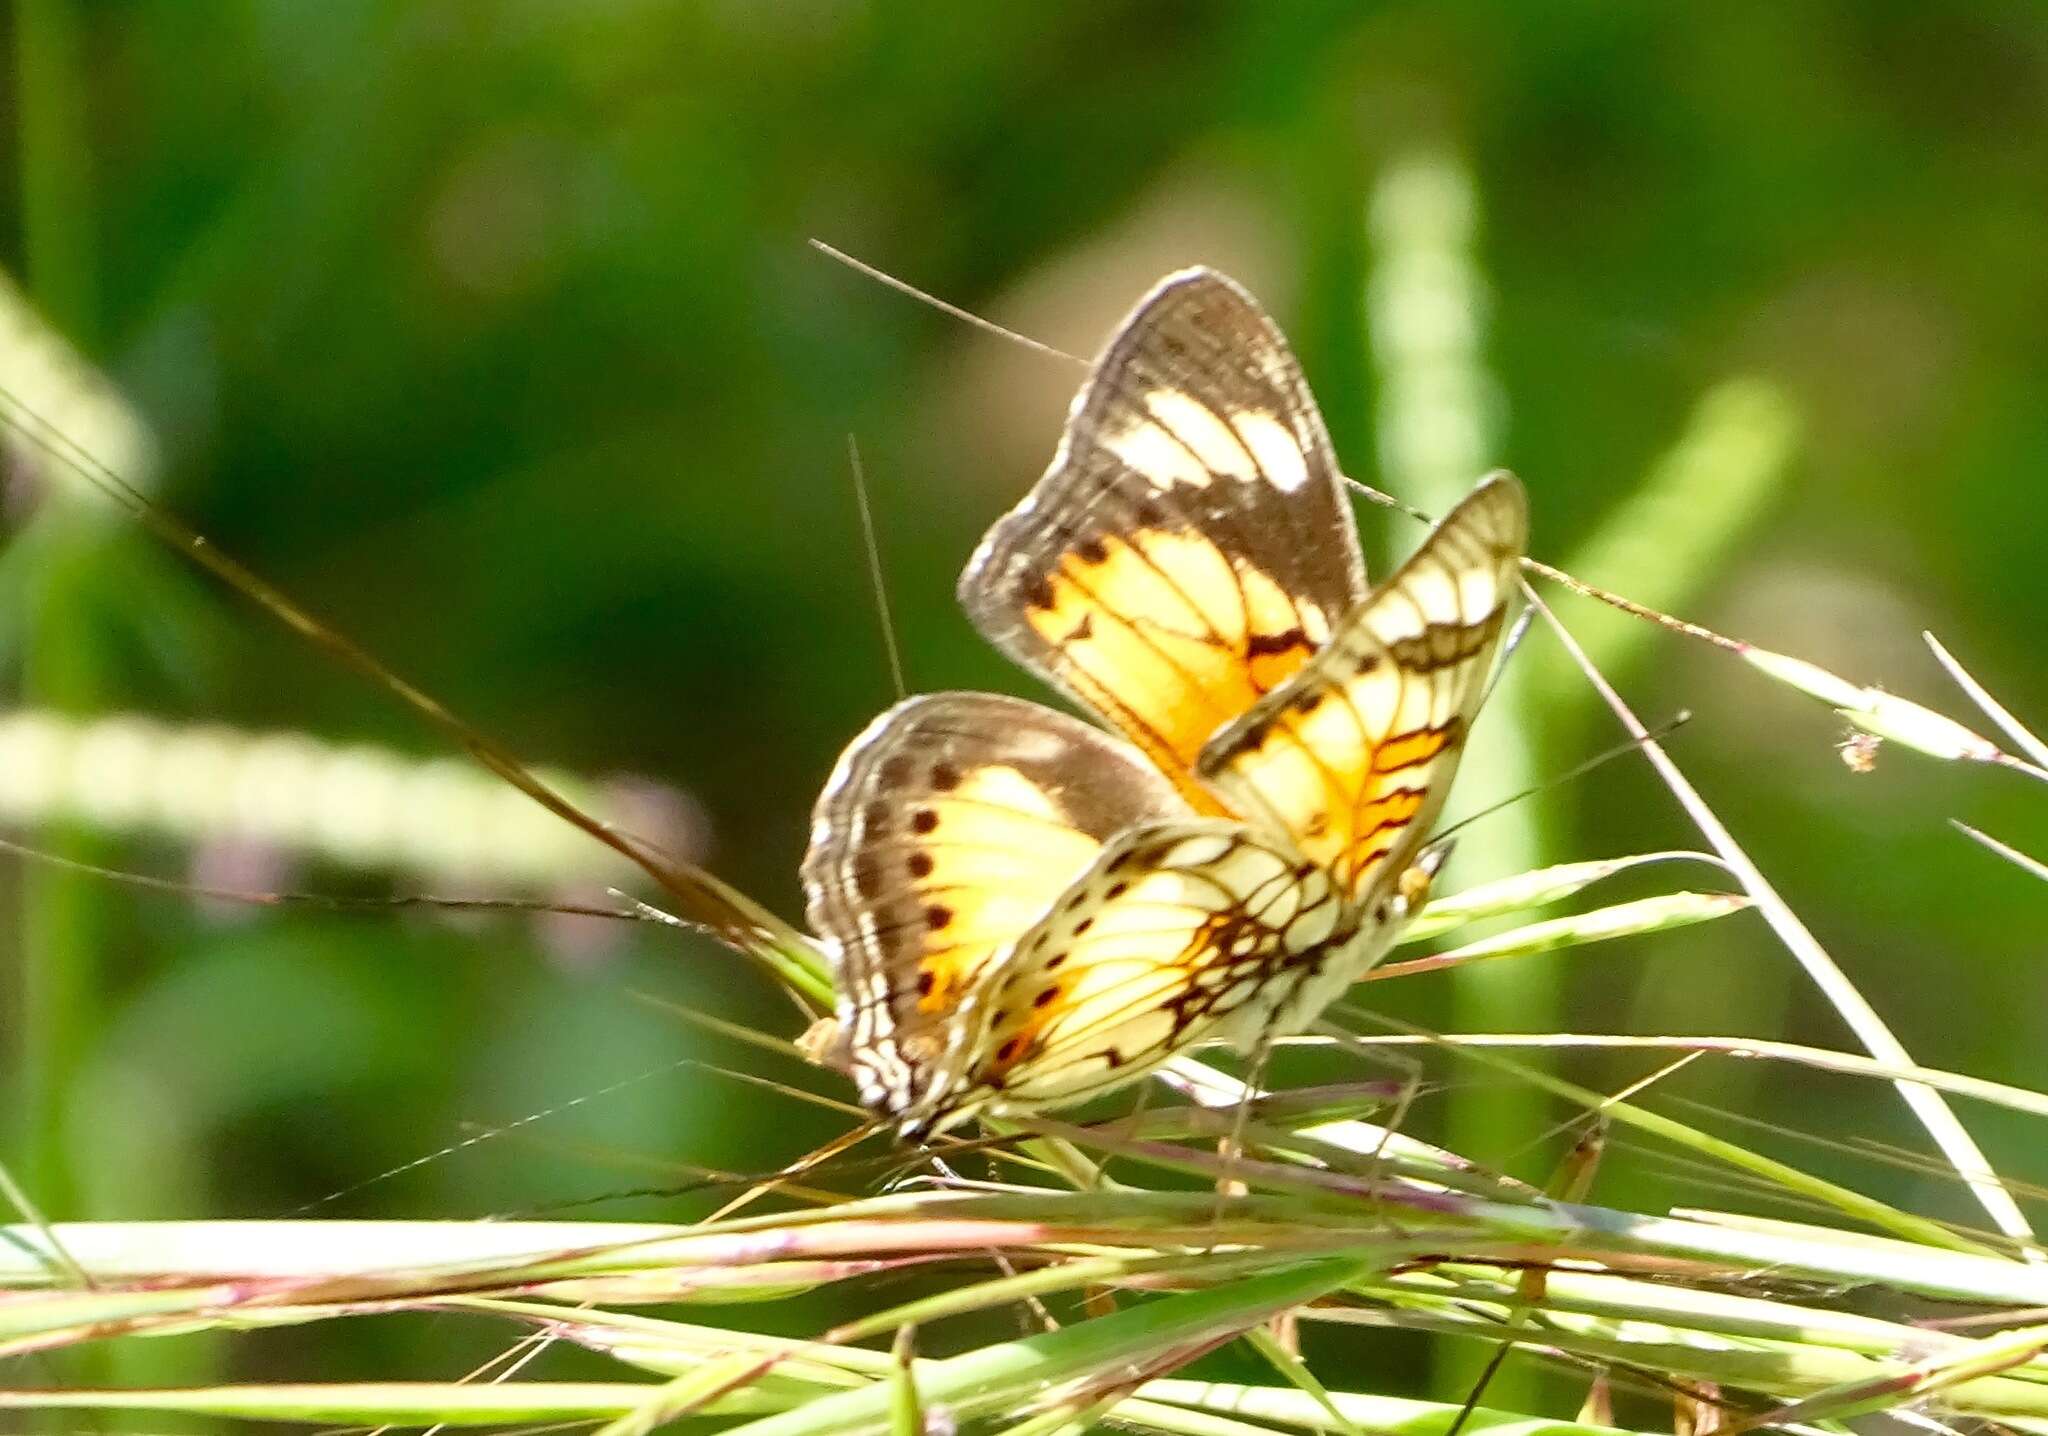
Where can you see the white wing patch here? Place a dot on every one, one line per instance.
(1274, 446)
(1185, 442)
(1214, 444)
(1151, 451)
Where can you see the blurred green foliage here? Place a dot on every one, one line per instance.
(490, 332)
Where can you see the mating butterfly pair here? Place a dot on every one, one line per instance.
(1024, 909)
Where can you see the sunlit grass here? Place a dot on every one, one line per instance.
(1109, 1244)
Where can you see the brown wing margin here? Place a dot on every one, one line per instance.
(1190, 545)
(1355, 755)
(948, 828)
(1180, 933)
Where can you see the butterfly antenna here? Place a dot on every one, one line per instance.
(987, 326)
(1515, 634)
(723, 910)
(1576, 771)
(1631, 607)
(1386, 500)
(711, 1180)
(1557, 575)
(874, 551)
(806, 1163)
(1227, 1183)
(489, 1134)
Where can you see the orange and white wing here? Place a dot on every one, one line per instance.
(1179, 933)
(1190, 546)
(948, 828)
(1354, 755)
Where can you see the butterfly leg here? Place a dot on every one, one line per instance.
(1411, 1071)
(1411, 1087)
(1230, 1149)
(1098, 1179)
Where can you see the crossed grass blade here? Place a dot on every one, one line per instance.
(1626, 1313)
(938, 1226)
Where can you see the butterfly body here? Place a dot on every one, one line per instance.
(1025, 909)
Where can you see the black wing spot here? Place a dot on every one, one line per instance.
(923, 820)
(1262, 644)
(1038, 591)
(920, 865)
(945, 777)
(1053, 963)
(867, 875)
(1080, 927)
(1118, 891)
(1009, 1049)
(937, 916)
(1091, 551)
(1050, 994)
(1114, 1057)
(926, 981)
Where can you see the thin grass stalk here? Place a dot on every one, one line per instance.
(368, 808)
(1438, 423)
(1949, 1134)
(57, 233)
(2008, 722)
(60, 936)
(1172, 1405)
(1759, 1343)
(62, 929)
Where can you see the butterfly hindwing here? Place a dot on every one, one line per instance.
(1024, 910)
(1180, 932)
(1190, 546)
(1354, 755)
(949, 827)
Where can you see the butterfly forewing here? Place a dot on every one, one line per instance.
(950, 827)
(1179, 933)
(1354, 755)
(1026, 911)
(1190, 546)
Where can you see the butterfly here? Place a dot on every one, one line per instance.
(1024, 909)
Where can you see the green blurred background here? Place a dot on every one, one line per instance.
(490, 332)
